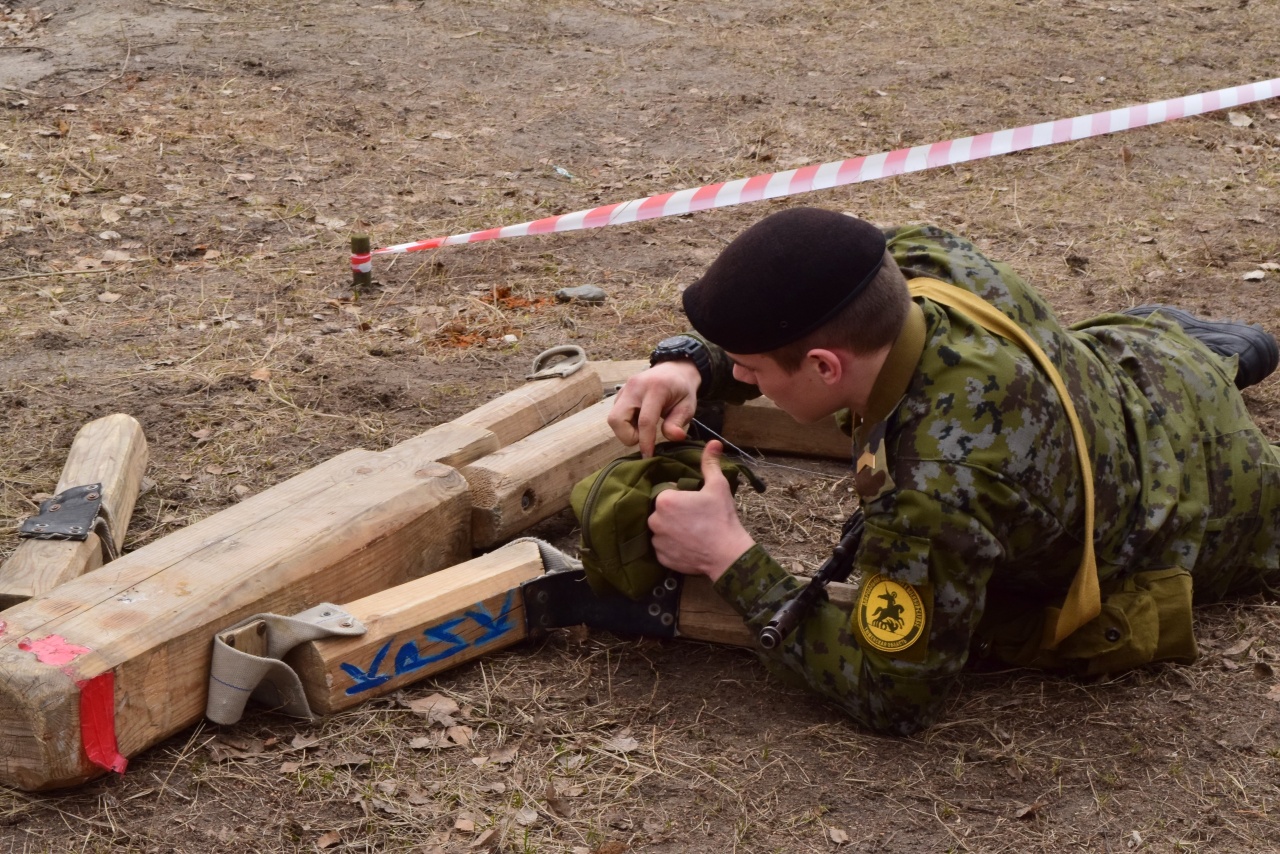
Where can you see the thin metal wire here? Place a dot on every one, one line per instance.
(760, 460)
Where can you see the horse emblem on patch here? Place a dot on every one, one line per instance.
(890, 616)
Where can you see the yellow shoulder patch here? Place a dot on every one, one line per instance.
(891, 617)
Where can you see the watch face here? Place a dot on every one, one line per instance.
(677, 345)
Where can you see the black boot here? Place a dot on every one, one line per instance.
(1255, 346)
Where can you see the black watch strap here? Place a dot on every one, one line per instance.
(684, 348)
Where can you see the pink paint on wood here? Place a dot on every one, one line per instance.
(53, 650)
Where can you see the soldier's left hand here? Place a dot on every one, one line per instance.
(698, 533)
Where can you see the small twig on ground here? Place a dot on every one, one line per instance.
(61, 273)
(123, 67)
(182, 6)
(82, 170)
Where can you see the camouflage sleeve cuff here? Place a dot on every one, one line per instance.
(755, 585)
(723, 386)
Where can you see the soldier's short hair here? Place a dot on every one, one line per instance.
(871, 321)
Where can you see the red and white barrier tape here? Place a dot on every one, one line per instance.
(858, 169)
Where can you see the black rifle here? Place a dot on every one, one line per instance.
(837, 568)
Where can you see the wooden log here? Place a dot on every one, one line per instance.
(705, 616)
(761, 425)
(433, 624)
(503, 420)
(530, 480)
(111, 451)
(535, 406)
(131, 643)
(420, 628)
(614, 373)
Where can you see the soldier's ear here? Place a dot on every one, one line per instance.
(827, 363)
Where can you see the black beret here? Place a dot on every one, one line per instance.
(782, 278)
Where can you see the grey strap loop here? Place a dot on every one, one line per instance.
(247, 661)
(558, 362)
(553, 560)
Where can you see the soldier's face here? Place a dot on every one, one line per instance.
(803, 395)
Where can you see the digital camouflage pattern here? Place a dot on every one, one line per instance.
(981, 500)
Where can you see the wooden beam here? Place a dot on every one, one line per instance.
(357, 524)
(111, 451)
(530, 480)
(535, 406)
(430, 625)
(761, 425)
(614, 373)
(419, 629)
(503, 420)
(705, 616)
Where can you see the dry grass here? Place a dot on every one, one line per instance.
(177, 251)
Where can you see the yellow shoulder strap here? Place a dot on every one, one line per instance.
(1084, 600)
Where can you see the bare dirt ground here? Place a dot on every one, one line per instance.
(178, 181)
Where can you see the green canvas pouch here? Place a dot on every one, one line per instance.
(613, 507)
(1145, 618)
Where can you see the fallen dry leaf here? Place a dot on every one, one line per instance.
(348, 760)
(1239, 120)
(504, 755)
(108, 297)
(622, 743)
(838, 836)
(1241, 646)
(554, 801)
(437, 708)
(526, 816)
(262, 375)
(329, 839)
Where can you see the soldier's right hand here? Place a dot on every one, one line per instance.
(654, 404)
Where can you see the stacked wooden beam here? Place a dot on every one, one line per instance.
(102, 666)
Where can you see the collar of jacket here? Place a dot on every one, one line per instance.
(895, 375)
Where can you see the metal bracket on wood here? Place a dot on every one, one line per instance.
(72, 515)
(559, 361)
(560, 599)
(247, 661)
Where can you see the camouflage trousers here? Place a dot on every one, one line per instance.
(1231, 471)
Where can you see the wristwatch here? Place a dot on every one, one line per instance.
(684, 348)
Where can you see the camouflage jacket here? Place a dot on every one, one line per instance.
(975, 512)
